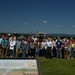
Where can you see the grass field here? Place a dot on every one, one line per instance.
(57, 66)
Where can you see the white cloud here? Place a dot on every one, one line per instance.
(9, 27)
(57, 25)
(44, 21)
(73, 26)
(26, 23)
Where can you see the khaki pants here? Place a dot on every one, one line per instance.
(18, 51)
(66, 53)
(4, 52)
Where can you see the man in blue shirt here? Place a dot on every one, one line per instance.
(58, 46)
(5, 44)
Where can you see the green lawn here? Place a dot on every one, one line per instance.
(57, 66)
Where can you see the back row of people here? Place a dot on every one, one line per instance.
(49, 48)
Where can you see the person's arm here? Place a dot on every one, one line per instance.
(8, 45)
(11, 43)
(52, 45)
(56, 45)
(14, 43)
(40, 46)
(45, 45)
(61, 45)
(21, 44)
(2, 43)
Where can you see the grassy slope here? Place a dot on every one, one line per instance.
(57, 66)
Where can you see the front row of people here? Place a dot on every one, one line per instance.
(47, 48)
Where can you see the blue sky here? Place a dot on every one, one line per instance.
(50, 16)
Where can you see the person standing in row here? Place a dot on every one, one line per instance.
(37, 48)
(5, 44)
(58, 46)
(72, 49)
(12, 46)
(32, 45)
(43, 46)
(24, 47)
(66, 47)
(49, 48)
(18, 45)
(54, 47)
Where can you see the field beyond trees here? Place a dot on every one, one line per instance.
(57, 66)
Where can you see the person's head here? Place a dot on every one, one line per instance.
(12, 38)
(44, 40)
(9, 35)
(65, 39)
(54, 39)
(49, 39)
(58, 38)
(24, 39)
(34, 36)
(3, 36)
(18, 38)
(71, 38)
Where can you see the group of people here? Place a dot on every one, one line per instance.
(13, 46)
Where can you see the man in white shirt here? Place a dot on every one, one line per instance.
(49, 48)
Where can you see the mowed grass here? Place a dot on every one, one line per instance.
(57, 66)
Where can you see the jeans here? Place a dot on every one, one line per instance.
(12, 53)
(64, 52)
(37, 51)
(29, 50)
(72, 51)
(49, 55)
(43, 52)
(24, 52)
(58, 51)
(32, 52)
(29, 47)
(54, 52)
